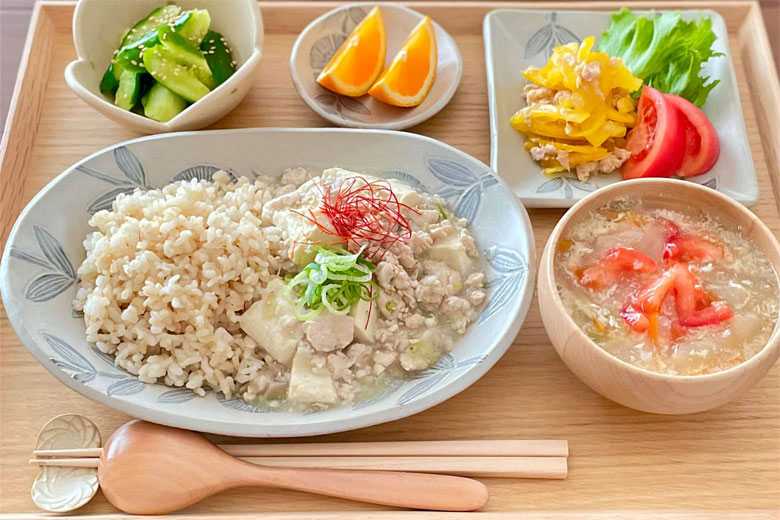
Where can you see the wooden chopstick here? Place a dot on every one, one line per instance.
(72, 452)
(83, 462)
(507, 467)
(478, 448)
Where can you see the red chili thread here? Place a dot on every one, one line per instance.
(363, 213)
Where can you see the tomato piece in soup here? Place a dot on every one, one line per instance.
(696, 307)
(647, 302)
(689, 248)
(616, 263)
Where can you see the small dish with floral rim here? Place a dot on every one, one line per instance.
(323, 37)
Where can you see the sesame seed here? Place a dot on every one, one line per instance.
(134, 62)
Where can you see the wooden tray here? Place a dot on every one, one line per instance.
(620, 459)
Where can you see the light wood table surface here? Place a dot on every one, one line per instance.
(728, 458)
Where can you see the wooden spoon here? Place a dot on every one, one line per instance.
(146, 468)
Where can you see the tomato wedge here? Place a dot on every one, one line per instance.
(696, 307)
(701, 141)
(657, 141)
(689, 248)
(651, 297)
(615, 263)
(646, 303)
(670, 227)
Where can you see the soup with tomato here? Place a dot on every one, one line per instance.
(667, 288)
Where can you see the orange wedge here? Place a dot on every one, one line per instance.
(409, 77)
(359, 60)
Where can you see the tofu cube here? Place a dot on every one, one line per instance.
(365, 320)
(405, 193)
(309, 384)
(303, 233)
(328, 332)
(453, 253)
(261, 323)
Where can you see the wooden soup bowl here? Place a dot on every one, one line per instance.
(625, 383)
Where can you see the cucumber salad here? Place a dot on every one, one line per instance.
(166, 61)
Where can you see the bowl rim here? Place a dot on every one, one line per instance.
(606, 192)
(27, 334)
(400, 124)
(129, 117)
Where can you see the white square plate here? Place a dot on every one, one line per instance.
(517, 38)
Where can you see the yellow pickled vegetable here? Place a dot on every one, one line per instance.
(579, 106)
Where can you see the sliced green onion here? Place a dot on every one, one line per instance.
(441, 211)
(372, 289)
(328, 302)
(319, 276)
(334, 281)
(303, 314)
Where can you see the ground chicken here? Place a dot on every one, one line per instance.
(537, 94)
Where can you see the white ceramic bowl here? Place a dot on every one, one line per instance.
(323, 37)
(38, 271)
(98, 26)
(623, 382)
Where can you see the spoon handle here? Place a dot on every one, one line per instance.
(389, 488)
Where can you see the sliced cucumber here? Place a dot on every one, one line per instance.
(217, 54)
(109, 83)
(129, 90)
(161, 15)
(196, 27)
(162, 63)
(187, 55)
(161, 104)
(130, 56)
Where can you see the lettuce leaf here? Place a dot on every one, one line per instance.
(664, 50)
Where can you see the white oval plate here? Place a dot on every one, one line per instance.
(38, 271)
(323, 37)
(517, 38)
